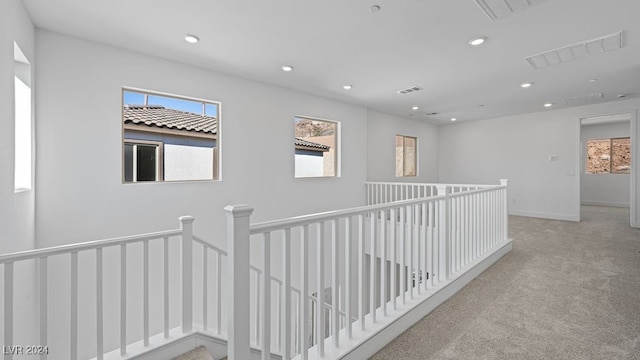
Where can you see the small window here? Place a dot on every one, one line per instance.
(169, 138)
(406, 155)
(316, 148)
(22, 120)
(609, 156)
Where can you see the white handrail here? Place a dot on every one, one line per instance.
(88, 245)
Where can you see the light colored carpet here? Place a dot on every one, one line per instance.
(199, 353)
(567, 291)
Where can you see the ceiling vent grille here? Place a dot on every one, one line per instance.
(584, 99)
(409, 90)
(576, 51)
(497, 9)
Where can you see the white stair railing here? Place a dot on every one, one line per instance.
(377, 262)
(70, 254)
(385, 192)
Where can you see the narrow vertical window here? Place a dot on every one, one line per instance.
(406, 155)
(22, 116)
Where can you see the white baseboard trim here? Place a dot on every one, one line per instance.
(544, 215)
(605, 203)
(401, 324)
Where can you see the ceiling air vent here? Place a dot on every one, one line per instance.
(584, 99)
(496, 9)
(409, 90)
(576, 51)
(431, 114)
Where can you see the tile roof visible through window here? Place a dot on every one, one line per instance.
(310, 145)
(159, 116)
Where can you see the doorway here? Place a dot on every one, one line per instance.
(605, 157)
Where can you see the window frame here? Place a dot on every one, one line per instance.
(337, 148)
(404, 155)
(216, 151)
(159, 160)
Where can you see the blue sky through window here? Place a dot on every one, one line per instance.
(136, 98)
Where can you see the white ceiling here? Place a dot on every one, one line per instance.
(407, 43)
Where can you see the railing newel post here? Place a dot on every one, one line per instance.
(505, 203)
(238, 250)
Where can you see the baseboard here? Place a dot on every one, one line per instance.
(605, 203)
(545, 215)
(401, 324)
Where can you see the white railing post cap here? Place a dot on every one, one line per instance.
(186, 219)
(238, 210)
(504, 182)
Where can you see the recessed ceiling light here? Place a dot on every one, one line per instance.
(453, 119)
(415, 108)
(478, 41)
(347, 87)
(287, 68)
(374, 8)
(192, 39)
(548, 105)
(526, 85)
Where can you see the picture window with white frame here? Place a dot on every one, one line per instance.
(316, 147)
(169, 138)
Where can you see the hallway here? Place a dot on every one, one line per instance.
(567, 291)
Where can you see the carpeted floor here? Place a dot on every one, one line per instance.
(567, 291)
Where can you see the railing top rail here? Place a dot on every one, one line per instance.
(89, 245)
(476, 191)
(209, 245)
(426, 184)
(332, 215)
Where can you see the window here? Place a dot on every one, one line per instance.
(406, 155)
(316, 148)
(22, 118)
(143, 161)
(169, 138)
(609, 156)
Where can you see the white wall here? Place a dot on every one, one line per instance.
(79, 90)
(518, 148)
(604, 189)
(16, 209)
(381, 147)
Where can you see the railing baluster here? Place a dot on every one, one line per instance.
(145, 290)
(416, 237)
(219, 294)
(99, 307)
(410, 232)
(392, 257)
(347, 276)
(383, 261)
(278, 317)
(286, 288)
(335, 299)
(372, 267)
(423, 241)
(8, 306)
(123, 299)
(44, 303)
(256, 329)
(74, 306)
(403, 270)
(320, 303)
(266, 298)
(361, 270)
(186, 227)
(166, 286)
(304, 291)
(205, 287)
